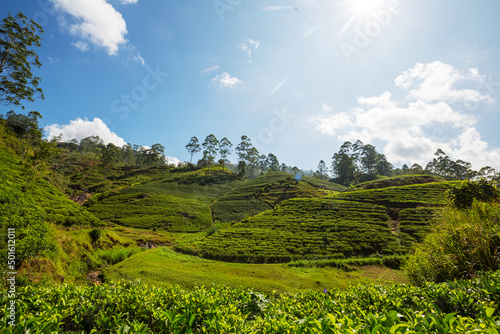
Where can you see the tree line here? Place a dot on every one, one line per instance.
(356, 163)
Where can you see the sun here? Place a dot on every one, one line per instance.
(368, 7)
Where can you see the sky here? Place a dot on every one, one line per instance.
(299, 77)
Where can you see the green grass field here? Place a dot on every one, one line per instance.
(163, 267)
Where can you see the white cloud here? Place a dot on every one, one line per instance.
(83, 128)
(172, 160)
(96, 21)
(248, 45)
(53, 60)
(226, 80)
(140, 59)
(429, 118)
(81, 45)
(126, 2)
(437, 81)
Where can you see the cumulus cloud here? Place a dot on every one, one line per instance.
(95, 21)
(248, 45)
(430, 117)
(437, 81)
(227, 80)
(83, 128)
(172, 161)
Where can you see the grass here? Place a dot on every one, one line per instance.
(163, 267)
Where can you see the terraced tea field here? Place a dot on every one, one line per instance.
(305, 229)
(263, 193)
(428, 194)
(176, 202)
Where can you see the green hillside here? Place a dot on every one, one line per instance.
(305, 229)
(263, 193)
(164, 199)
(14, 174)
(428, 194)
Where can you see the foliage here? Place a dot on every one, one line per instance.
(462, 196)
(462, 243)
(193, 147)
(95, 235)
(58, 208)
(354, 161)
(21, 218)
(459, 307)
(17, 82)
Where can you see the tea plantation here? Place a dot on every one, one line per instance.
(305, 228)
(263, 193)
(458, 307)
(176, 202)
(427, 194)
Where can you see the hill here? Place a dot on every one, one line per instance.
(264, 192)
(14, 173)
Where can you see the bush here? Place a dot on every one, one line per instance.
(463, 196)
(95, 235)
(462, 243)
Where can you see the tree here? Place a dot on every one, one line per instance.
(243, 148)
(193, 147)
(210, 149)
(17, 82)
(224, 150)
(252, 159)
(383, 167)
(109, 156)
(369, 159)
(43, 152)
(343, 168)
(272, 163)
(322, 172)
(155, 155)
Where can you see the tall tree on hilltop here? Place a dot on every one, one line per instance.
(272, 162)
(210, 148)
(322, 172)
(243, 148)
(17, 82)
(193, 147)
(225, 149)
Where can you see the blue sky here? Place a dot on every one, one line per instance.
(299, 77)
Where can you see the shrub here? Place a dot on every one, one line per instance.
(95, 235)
(463, 195)
(462, 243)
